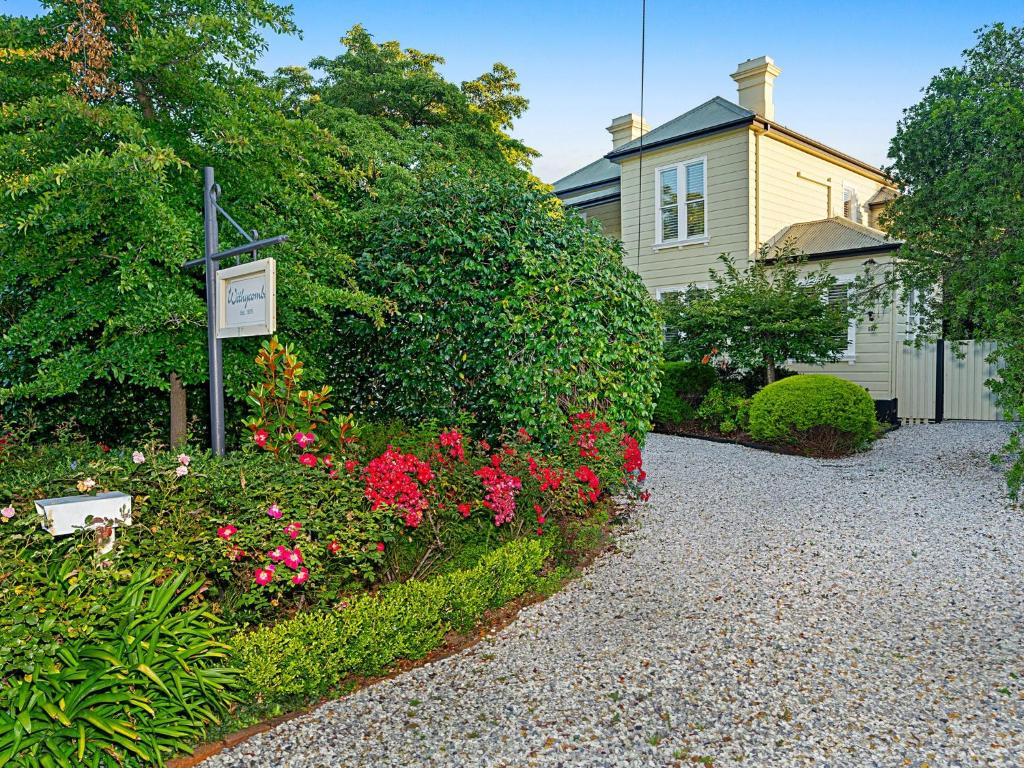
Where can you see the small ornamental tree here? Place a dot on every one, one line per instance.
(760, 316)
(512, 311)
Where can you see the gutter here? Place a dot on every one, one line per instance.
(602, 183)
(863, 251)
(593, 202)
(825, 152)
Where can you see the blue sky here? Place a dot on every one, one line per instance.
(848, 69)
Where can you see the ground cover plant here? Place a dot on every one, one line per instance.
(368, 542)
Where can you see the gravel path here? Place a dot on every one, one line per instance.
(764, 611)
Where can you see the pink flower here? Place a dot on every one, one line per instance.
(350, 465)
(184, 459)
(7, 513)
(260, 437)
(235, 552)
(304, 440)
(139, 457)
(274, 511)
(301, 577)
(263, 576)
(308, 459)
(227, 531)
(292, 530)
(293, 559)
(277, 553)
(380, 546)
(181, 471)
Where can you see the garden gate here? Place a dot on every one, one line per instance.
(933, 382)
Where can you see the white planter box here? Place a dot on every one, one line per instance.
(73, 513)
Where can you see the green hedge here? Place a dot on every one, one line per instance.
(683, 386)
(824, 414)
(312, 652)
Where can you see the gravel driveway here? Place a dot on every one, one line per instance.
(764, 611)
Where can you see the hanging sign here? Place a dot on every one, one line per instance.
(247, 299)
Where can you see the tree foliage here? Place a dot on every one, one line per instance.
(101, 163)
(957, 156)
(759, 316)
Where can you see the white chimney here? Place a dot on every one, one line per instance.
(755, 79)
(626, 128)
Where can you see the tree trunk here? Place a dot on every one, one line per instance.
(179, 411)
(769, 370)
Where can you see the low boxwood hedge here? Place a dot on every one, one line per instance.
(312, 652)
(815, 413)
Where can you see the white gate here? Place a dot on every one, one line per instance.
(964, 394)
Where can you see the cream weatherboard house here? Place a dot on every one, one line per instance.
(725, 177)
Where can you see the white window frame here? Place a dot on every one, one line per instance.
(680, 168)
(850, 354)
(660, 292)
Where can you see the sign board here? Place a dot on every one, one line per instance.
(101, 513)
(247, 299)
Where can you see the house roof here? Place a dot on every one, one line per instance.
(882, 196)
(601, 171)
(712, 115)
(833, 236)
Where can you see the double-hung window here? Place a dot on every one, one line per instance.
(681, 202)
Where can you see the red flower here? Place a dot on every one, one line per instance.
(227, 532)
(501, 491)
(333, 547)
(351, 465)
(452, 440)
(260, 437)
(263, 576)
(465, 509)
(394, 479)
(301, 577)
(524, 435)
(329, 460)
(308, 459)
(292, 530)
(293, 559)
(380, 546)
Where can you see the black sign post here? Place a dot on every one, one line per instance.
(211, 260)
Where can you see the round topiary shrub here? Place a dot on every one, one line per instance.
(511, 311)
(815, 413)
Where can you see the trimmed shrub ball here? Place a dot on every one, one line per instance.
(814, 413)
(683, 386)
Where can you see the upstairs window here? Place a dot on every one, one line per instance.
(681, 202)
(851, 210)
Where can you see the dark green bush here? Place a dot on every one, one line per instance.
(815, 413)
(725, 408)
(312, 652)
(683, 386)
(510, 308)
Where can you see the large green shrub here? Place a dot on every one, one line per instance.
(312, 652)
(510, 309)
(725, 408)
(814, 412)
(683, 386)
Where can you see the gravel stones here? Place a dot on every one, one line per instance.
(764, 610)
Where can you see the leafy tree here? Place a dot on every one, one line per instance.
(513, 312)
(100, 161)
(957, 156)
(760, 316)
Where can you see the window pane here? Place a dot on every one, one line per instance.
(840, 294)
(695, 219)
(670, 223)
(695, 181)
(669, 187)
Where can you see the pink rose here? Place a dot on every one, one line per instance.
(301, 577)
(292, 530)
(181, 471)
(277, 553)
(227, 531)
(293, 559)
(7, 513)
(263, 576)
(274, 511)
(308, 459)
(139, 457)
(184, 459)
(260, 437)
